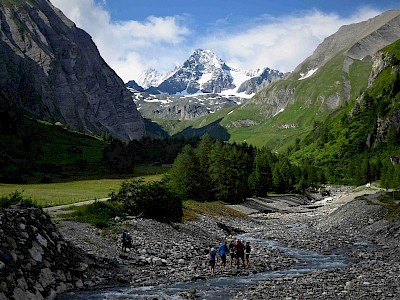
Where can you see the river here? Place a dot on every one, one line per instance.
(221, 287)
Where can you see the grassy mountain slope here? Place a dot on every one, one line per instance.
(312, 99)
(353, 144)
(35, 151)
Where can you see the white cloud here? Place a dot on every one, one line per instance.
(280, 43)
(162, 43)
(129, 47)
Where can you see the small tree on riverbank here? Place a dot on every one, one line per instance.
(152, 200)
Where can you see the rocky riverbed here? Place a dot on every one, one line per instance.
(352, 227)
(175, 253)
(170, 253)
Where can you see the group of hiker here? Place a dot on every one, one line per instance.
(237, 250)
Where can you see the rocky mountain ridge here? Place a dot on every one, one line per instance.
(202, 85)
(205, 72)
(53, 70)
(358, 41)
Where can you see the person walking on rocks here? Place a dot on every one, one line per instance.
(239, 253)
(232, 252)
(247, 250)
(126, 240)
(212, 258)
(222, 251)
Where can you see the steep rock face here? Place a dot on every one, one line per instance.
(172, 107)
(54, 70)
(273, 101)
(261, 81)
(382, 61)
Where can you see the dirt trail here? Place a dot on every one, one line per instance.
(63, 209)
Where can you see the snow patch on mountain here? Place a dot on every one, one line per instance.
(308, 74)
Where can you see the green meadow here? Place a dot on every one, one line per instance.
(52, 194)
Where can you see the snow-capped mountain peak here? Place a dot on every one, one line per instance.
(206, 58)
(202, 72)
(148, 78)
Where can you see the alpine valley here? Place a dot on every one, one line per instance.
(296, 163)
(330, 80)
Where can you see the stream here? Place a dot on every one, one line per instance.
(221, 287)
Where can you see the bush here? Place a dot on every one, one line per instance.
(153, 200)
(98, 214)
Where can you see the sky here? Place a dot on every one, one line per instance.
(135, 35)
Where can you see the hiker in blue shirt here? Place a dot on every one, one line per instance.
(222, 251)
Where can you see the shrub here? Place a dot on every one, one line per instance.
(153, 200)
(98, 214)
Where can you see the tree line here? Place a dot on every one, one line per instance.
(230, 172)
(211, 170)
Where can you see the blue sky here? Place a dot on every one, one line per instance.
(135, 35)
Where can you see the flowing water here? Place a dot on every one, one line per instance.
(221, 287)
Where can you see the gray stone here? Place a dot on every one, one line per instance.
(19, 293)
(12, 242)
(42, 241)
(22, 283)
(3, 297)
(79, 284)
(36, 252)
(46, 277)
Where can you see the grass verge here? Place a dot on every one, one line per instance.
(215, 209)
(98, 214)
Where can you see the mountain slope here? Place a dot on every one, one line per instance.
(53, 69)
(334, 75)
(355, 145)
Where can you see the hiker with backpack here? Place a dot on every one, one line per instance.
(126, 240)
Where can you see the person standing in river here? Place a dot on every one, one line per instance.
(222, 251)
(212, 259)
(239, 253)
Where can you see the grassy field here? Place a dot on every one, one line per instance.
(52, 194)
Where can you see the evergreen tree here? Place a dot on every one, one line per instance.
(203, 151)
(219, 171)
(260, 181)
(184, 175)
